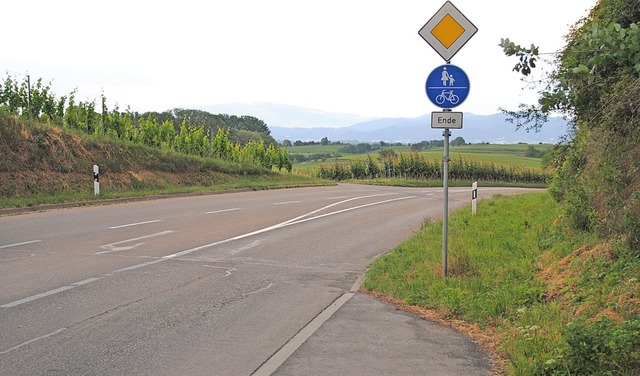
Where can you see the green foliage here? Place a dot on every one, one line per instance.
(424, 145)
(532, 152)
(558, 305)
(490, 268)
(361, 148)
(458, 141)
(597, 84)
(30, 101)
(416, 166)
(243, 139)
(603, 347)
(44, 164)
(527, 57)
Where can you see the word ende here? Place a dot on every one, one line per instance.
(446, 120)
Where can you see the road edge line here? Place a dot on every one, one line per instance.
(279, 357)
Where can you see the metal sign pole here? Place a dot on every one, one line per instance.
(447, 31)
(445, 215)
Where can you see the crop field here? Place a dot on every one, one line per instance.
(501, 155)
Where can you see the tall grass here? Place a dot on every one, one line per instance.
(485, 251)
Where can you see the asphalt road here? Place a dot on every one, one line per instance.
(233, 284)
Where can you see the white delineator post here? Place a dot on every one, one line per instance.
(474, 198)
(96, 180)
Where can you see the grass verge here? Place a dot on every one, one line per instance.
(548, 301)
(253, 182)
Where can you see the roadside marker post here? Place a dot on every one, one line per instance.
(447, 87)
(96, 180)
(474, 198)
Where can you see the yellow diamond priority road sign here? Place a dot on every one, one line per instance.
(447, 31)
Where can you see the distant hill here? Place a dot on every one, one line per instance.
(280, 115)
(477, 129)
(299, 123)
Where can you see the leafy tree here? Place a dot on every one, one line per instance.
(221, 145)
(458, 141)
(596, 83)
(424, 145)
(361, 148)
(373, 171)
(388, 158)
(148, 133)
(532, 152)
(250, 123)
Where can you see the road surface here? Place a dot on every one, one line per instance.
(232, 284)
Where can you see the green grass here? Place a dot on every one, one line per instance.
(505, 159)
(254, 182)
(482, 249)
(558, 302)
(512, 149)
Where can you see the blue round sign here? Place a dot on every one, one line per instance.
(447, 86)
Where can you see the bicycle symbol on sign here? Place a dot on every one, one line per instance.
(447, 95)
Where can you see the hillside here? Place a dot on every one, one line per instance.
(45, 160)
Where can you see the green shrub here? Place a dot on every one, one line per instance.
(603, 347)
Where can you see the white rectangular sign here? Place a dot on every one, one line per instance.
(446, 120)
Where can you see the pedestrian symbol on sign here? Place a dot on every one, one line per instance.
(447, 78)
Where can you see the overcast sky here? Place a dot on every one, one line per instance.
(361, 57)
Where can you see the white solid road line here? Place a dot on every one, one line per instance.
(31, 341)
(77, 284)
(286, 203)
(37, 296)
(293, 221)
(281, 356)
(300, 219)
(222, 211)
(19, 244)
(277, 359)
(134, 224)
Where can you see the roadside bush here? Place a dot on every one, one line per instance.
(603, 347)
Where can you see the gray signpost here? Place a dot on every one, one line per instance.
(447, 86)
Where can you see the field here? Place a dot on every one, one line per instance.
(508, 156)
